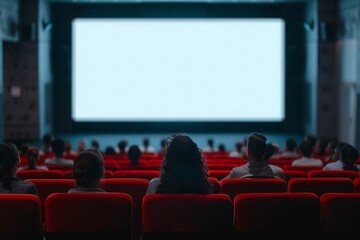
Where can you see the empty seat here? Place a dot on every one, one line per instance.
(320, 186)
(218, 174)
(340, 214)
(20, 217)
(187, 216)
(234, 186)
(333, 173)
(289, 174)
(145, 174)
(88, 216)
(277, 216)
(40, 174)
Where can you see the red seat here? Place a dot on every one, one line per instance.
(69, 174)
(340, 214)
(88, 216)
(111, 165)
(145, 174)
(289, 174)
(333, 173)
(45, 187)
(357, 185)
(218, 174)
(221, 166)
(136, 188)
(277, 215)
(320, 186)
(234, 186)
(40, 174)
(215, 184)
(20, 217)
(190, 215)
(302, 168)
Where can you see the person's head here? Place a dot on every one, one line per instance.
(47, 139)
(67, 147)
(336, 156)
(330, 147)
(109, 150)
(58, 147)
(33, 157)
(95, 144)
(122, 146)
(270, 150)
(163, 143)
(81, 146)
(290, 145)
(210, 143)
(311, 139)
(222, 147)
(9, 159)
(146, 142)
(256, 146)
(134, 154)
(88, 168)
(349, 155)
(238, 146)
(306, 148)
(183, 169)
(23, 148)
(319, 147)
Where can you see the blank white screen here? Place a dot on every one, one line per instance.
(178, 70)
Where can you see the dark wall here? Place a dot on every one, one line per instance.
(293, 14)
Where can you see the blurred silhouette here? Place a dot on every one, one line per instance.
(33, 156)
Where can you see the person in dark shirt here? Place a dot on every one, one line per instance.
(9, 183)
(88, 170)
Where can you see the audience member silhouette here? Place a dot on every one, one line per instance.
(58, 147)
(68, 150)
(306, 149)
(162, 146)
(257, 165)
(329, 151)
(291, 150)
(9, 183)
(134, 155)
(88, 170)
(122, 147)
(109, 150)
(237, 153)
(81, 146)
(210, 148)
(24, 148)
(183, 169)
(95, 146)
(348, 156)
(222, 148)
(270, 151)
(146, 148)
(33, 156)
(47, 141)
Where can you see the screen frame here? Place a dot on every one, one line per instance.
(63, 122)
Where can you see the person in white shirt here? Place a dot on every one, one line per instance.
(237, 153)
(210, 148)
(290, 149)
(58, 147)
(146, 148)
(306, 150)
(348, 156)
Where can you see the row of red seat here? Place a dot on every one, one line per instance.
(149, 174)
(214, 216)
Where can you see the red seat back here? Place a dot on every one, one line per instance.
(215, 184)
(333, 173)
(145, 174)
(40, 174)
(187, 213)
(320, 186)
(357, 185)
(88, 216)
(218, 174)
(302, 168)
(260, 215)
(340, 214)
(20, 217)
(70, 174)
(234, 186)
(289, 174)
